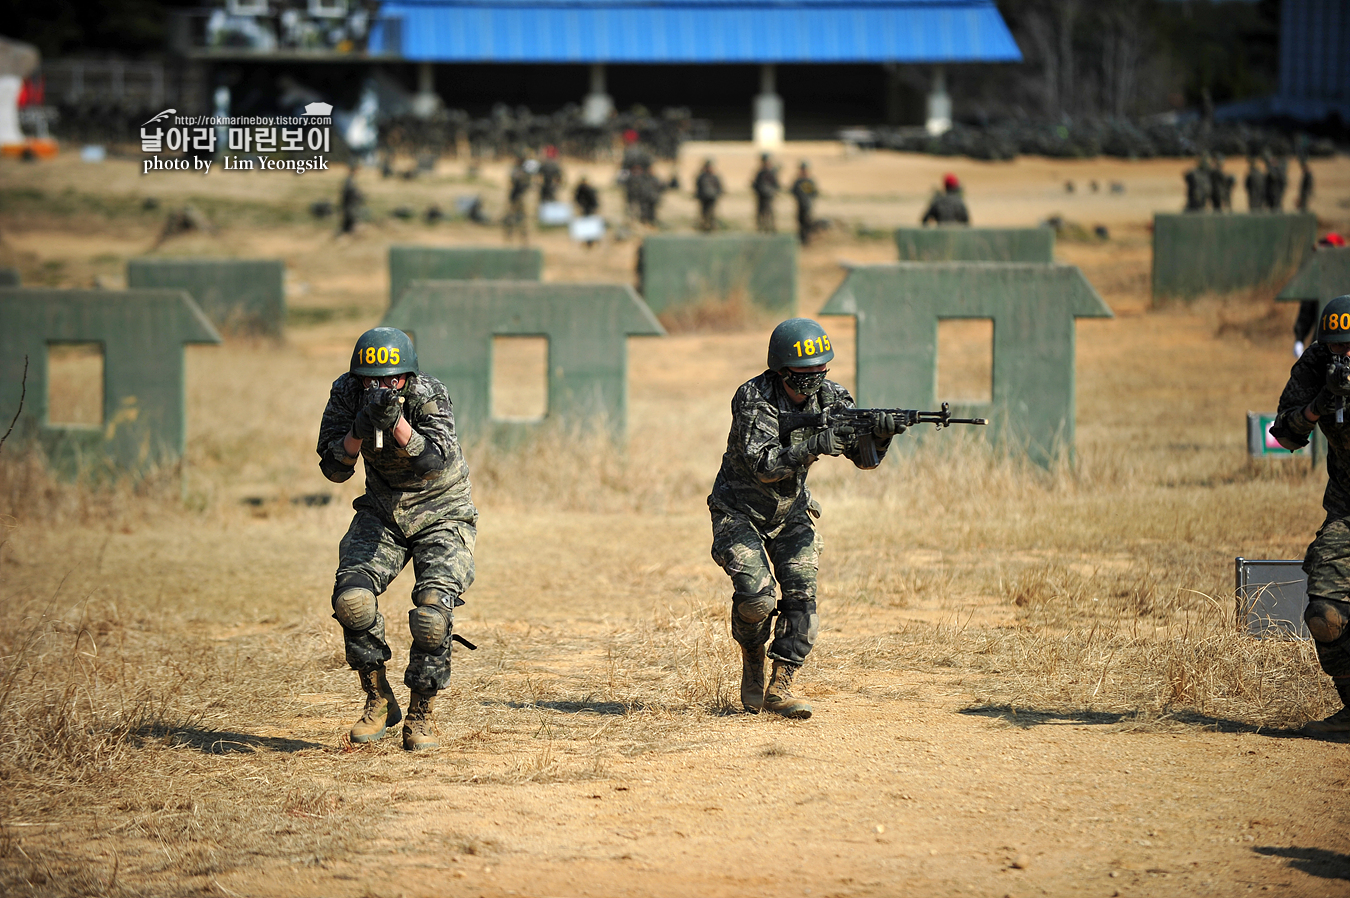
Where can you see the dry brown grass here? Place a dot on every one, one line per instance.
(173, 694)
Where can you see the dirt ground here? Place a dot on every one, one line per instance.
(1027, 683)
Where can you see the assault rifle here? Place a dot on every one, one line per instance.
(1338, 381)
(857, 423)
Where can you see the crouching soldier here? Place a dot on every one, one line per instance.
(1316, 396)
(417, 505)
(762, 513)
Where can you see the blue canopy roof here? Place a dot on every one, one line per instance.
(701, 31)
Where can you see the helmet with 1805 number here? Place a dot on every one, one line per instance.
(799, 343)
(1333, 325)
(384, 351)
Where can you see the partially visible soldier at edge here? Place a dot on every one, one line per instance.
(804, 192)
(765, 187)
(763, 515)
(1311, 397)
(947, 206)
(417, 506)
(1306, 320)
(1255, 184)
(707, 190)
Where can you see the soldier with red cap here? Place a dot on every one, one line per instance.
(948, 207)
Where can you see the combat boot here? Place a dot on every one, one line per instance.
(381, 711)
(1336, 723)
(779, 698)
(752, 678)
(417, 733)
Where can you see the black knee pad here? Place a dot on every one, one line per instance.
(753, 609)
(354, 601)
(1328, 620)
(796, 629)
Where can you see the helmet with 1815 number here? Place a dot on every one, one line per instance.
(798, 343)
(384, 351)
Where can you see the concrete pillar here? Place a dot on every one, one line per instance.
(426, 103)
(599, 105)
(768, 131)
(9, 109)
(939, 105)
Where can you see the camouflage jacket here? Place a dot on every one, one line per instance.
(402, 487)
(946, 208)
(1306, 380)
(761, 477)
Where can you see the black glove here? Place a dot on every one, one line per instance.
(887, 425)
(1324, 403)
(384, 408)
(826, 442)
(1338, 376)
(363, 425)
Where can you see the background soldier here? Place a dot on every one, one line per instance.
(707, 190)
(765, 186)
(1277, 181)
(1220, 186)
(550, 175)
(762, 513)
(587, 200)
(1198, 184)
(948, 206)
(1315, 391)
(351, 201)
(804, 191)
(1255, 184)
(1305, 185)
(516, 219)
(646, 193)
(417, 505)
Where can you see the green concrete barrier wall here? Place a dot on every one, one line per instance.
(587, 327)
(976, 244)
(461, 263)
(9, 277)
(1033, 308)
(142, 333)
(1325, 275)
(243, 296)
(1197, 254)
(689, 270)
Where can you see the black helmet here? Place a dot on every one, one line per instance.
(798, 343)
(1334, 325)
(383, 351)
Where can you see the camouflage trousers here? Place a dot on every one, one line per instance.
(1327, 564)
(753, 558)
(442, 557)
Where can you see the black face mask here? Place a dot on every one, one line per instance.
(805, 383)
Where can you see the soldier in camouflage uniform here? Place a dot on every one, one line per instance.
(1311, 398)
(947, 207)
(417, 506)
(762, 513)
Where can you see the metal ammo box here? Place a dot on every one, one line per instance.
(1271, 596)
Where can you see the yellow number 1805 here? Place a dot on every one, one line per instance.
(385, 355)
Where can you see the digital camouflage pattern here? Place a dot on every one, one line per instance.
(1327, 561)
(762, 517)
(408, 512)
(1306, 380)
